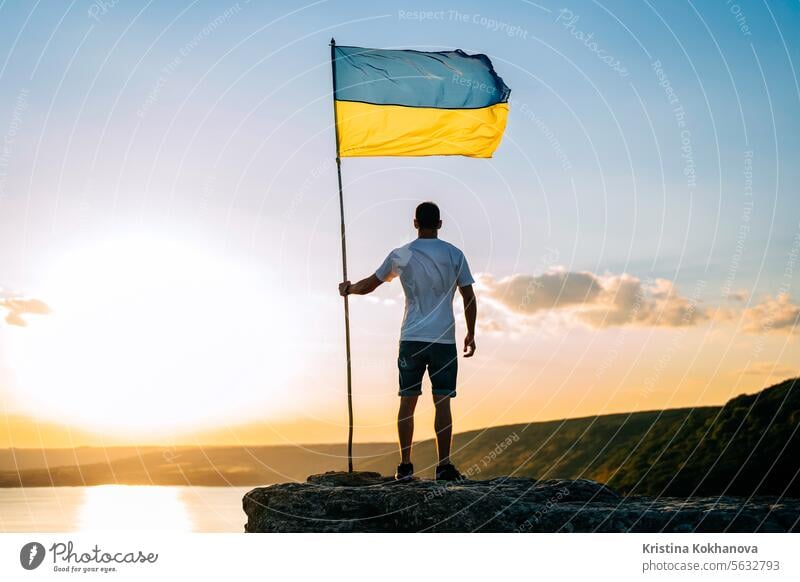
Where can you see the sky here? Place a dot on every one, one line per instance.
(169, 245)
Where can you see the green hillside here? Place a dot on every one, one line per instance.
(748, 446)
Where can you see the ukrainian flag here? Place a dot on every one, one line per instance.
(412, 103)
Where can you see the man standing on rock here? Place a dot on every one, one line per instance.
(430, 270)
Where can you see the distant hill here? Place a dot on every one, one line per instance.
(210, 465)
(24, 459)
(748, 446)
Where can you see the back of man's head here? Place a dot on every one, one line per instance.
(427, 215)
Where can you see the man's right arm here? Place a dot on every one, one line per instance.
(363, 287)
(385, 273)
(471, 314)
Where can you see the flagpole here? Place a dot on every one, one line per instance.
(344, 272)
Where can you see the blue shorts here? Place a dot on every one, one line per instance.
(441, 361)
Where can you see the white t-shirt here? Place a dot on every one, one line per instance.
(430, 269)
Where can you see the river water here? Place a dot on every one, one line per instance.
(122, 508)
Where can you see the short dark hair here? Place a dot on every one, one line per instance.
(427, 215)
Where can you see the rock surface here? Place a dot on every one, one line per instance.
(368, 502)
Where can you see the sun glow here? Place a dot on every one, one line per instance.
(149, 335)
(133, 508)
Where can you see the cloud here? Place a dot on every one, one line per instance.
(611, 300)
(770, 369)
(626, 300)
(738, 296)
(17, 306)
(773, 314)
(493, 318)
(529, 294)
(599, 301)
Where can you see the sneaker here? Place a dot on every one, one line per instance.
(405, 472)
(448, 472)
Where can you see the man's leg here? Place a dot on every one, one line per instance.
(405, 426)
(443, 424)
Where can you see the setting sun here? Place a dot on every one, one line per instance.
(148, 334)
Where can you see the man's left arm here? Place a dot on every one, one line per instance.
(471, 315)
